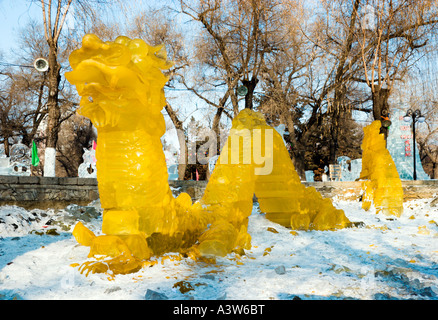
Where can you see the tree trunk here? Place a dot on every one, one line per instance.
(340, 85)
(334, 135)
(381, 106)
(6, 144)
(52, 102)
(435, 170)
(297, 151)
(298, 161)
(216, 129)
(54, 113)
(250, 85)
(333, 147)
(216, 121)
(183, 159)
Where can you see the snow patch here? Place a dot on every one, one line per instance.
(382, 258)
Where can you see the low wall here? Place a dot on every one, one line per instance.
(352, 190)
(54, 192)
(48, 192)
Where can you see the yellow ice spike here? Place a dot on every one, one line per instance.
(382, 186)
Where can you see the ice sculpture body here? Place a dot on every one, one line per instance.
(272, 178)
(19, 161)
(350, 169)
(211, 163)
(121, 84)
(383, 186)
(310, 176)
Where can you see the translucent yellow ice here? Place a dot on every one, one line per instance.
(276, 184)
(382, 186)
(121, 85)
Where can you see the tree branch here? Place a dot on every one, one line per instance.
(58, 30)
(46, 28)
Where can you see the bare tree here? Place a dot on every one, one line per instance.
(234, 53)
(25, 92)
(358, 45)
(22, 105)
(235, 38)
(52, 32)
(428, 145)
(54, 15)
(308, 84)
(391, 37)
(33, 86)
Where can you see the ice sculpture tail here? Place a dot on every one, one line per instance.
(283, 197)
(254, 160)
(382, 186)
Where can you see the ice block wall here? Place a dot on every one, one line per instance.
(401, 147)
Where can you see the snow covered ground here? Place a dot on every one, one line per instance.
(379, 259)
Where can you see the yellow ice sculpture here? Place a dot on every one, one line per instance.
(382, 186)
(285, 200)
(121, 88)
(262, 166)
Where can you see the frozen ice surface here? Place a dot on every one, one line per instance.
(309, 175)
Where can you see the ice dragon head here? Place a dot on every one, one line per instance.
(118, 77)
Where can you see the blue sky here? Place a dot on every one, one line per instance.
(14, 14)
